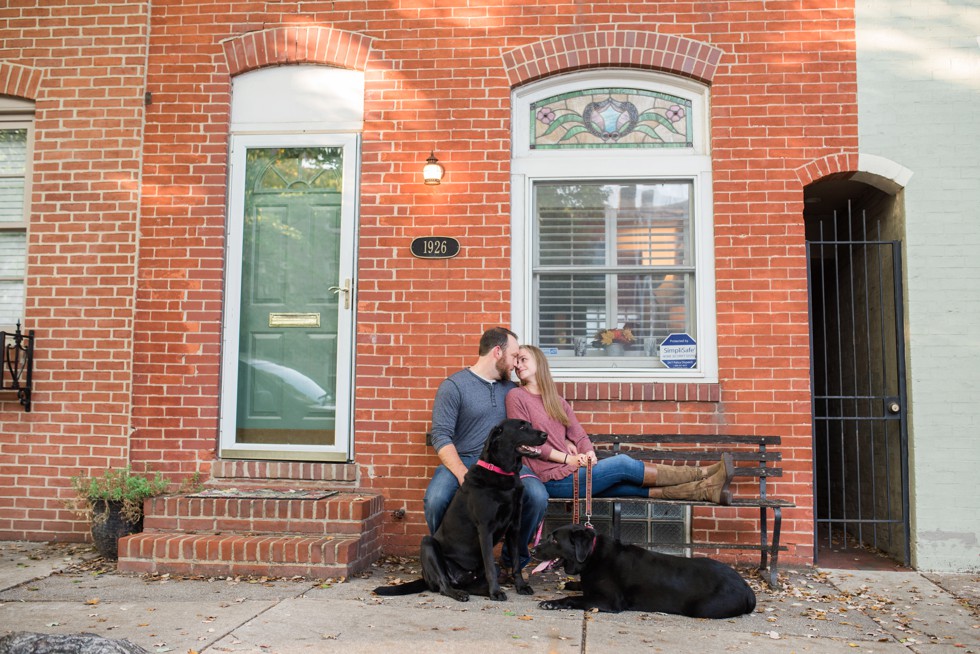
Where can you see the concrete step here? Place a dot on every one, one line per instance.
(335, 536)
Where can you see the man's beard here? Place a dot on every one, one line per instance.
(503, 370)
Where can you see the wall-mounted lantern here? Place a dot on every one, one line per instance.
(433, 171)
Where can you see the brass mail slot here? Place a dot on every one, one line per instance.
(294, 320)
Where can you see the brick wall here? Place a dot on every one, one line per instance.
(437, 77)
(85, 62)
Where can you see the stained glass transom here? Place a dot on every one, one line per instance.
(611, 118)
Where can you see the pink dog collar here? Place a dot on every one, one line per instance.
(493, 468)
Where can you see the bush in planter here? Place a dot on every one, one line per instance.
(113, 504)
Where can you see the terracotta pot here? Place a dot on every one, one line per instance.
(106, 533)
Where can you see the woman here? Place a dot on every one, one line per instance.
(569, 449)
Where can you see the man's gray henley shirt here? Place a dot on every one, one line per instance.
(466, 408)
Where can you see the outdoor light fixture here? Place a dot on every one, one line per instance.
(433, 171)
(17, 364)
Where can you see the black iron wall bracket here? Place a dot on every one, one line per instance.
(18, 364)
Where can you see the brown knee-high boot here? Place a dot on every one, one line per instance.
(710, 489)
(656, 474)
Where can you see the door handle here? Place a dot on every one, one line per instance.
(345, 289)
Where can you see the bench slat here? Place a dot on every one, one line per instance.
(736, 546)
(743, 471)
(746, 502)
(727, 439)
(706, 544)
(687, 455)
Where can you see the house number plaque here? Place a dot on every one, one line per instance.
(435, 247)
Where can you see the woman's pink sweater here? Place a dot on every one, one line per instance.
(525, 405)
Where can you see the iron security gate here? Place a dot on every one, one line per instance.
(859, 393)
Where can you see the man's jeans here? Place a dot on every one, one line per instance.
(444, 485)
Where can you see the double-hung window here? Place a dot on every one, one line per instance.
(16, 132)
(612, 223)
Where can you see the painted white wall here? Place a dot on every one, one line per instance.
(919, 106)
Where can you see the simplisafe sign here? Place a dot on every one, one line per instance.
(679, 351)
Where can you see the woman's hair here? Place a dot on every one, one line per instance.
(546, 384)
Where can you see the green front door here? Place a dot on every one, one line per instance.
(292, 368)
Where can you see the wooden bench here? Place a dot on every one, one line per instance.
(753, 458)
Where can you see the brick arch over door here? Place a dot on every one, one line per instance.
(297, 45)
(884, 174)
(841, 164)
(629, 49)
(20, 81)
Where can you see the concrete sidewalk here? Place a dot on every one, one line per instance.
(66, 589)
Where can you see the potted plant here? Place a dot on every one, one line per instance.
(113, 504)
(614, 341)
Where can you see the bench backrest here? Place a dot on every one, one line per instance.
(695, 450)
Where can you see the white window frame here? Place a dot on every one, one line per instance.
(19, 114)
(641, 164)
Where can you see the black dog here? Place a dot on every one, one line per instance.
(617, 577)
(458, 559)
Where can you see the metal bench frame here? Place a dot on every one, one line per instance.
(753, 458)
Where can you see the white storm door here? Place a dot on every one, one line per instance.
(287, 353)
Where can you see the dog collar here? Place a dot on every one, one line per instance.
(493, 468)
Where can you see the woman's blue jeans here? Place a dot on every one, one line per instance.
(617, 476)
(444, 485)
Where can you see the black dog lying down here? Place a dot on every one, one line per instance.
(458, 559)
(617, 577)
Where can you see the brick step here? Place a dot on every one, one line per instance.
(294, 472)
(237, 554)
(335, 536)
(343, 513)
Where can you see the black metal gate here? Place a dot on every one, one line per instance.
(857, 354)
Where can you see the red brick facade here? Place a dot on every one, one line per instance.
(126, 258)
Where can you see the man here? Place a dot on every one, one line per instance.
(468, 405)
